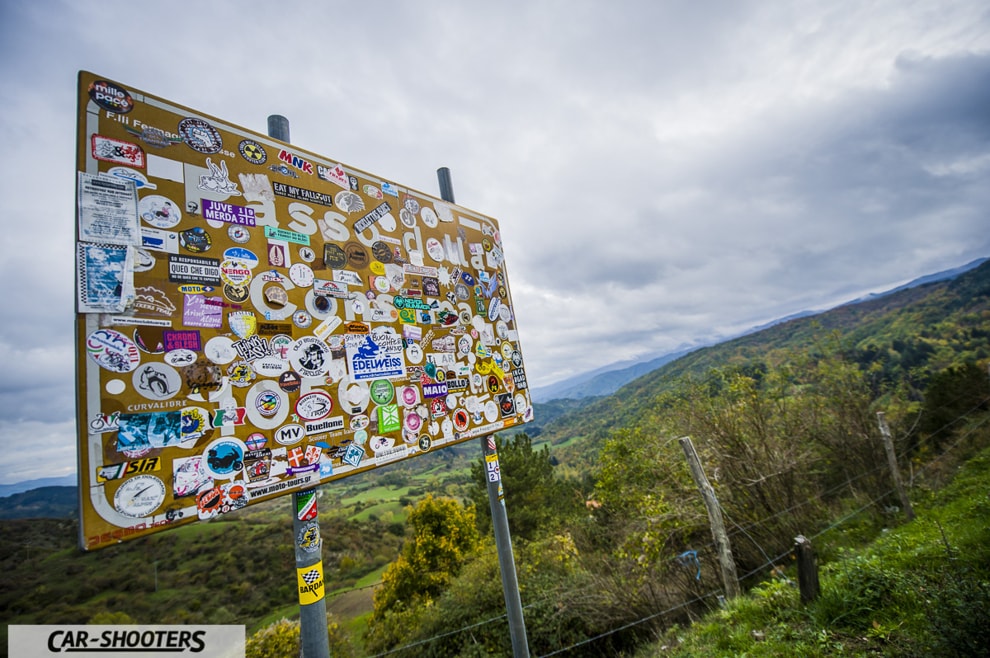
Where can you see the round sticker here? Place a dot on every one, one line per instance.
(288, 435)
(112, 350)
(353, 396)
(236, 294)
(360, 422)
(387, 223)
(429, 216)
(256, 441)
(435, 249)
(220, 350)
(357, 257)
(201, 136)
(460, 420)
(240, 373)
(425, 443)
(267, 403)
(302, 319)
(139, 496)
(349, 202)
(381, 252)
(491, 411)
(252, 151)
(382, 391)
(188, 476)
(310, 356)
(157, 381)
(115, 386)
(235, 272)
(224, 458)
(307, 254)
(238, 234)
(289, 381)
(159, 211)
(196, 240)
(413, 422)
(414, 353)
(314, 405)
(194, 423)
(407, 218)
(301, 275)
(180, 357)
(409, 395)
(111, 97)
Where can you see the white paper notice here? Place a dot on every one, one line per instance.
(108, 210)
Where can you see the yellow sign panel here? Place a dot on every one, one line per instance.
(310, 581)
(254, 319)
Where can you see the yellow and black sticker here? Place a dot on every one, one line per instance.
(310, 581)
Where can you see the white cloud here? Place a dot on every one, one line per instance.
(663, 172)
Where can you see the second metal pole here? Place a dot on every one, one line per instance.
(496, 501)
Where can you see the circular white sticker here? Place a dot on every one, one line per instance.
(301, 274)
(429, 216)
(157, 381)
(112, 350)
(220, 350)
(310, 356)
(159, 211)
(180, 358)
(139, 496)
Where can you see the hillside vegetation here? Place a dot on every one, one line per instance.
(611, 540)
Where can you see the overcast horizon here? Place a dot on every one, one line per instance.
(664, 174)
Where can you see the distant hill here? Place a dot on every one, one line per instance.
(913, 332)
(603, 381)
(41, 503)
(27, 485)
(610, 378)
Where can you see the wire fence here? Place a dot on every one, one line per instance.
(769, 562)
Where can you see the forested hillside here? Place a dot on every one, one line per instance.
(611, 540)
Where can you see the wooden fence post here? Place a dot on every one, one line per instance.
(729, 578)
(807, 565)
(895, 472)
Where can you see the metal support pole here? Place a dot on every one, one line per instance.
(496, 502)
(314, 638)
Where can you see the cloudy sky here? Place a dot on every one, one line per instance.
(664, 173)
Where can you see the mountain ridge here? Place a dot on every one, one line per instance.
(609, 378)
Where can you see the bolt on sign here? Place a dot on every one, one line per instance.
(254, 319)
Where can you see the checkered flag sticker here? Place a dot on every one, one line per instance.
(311, 576)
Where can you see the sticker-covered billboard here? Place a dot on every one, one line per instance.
(254, 319)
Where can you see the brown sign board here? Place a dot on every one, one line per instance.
(254, 319)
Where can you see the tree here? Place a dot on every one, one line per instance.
(442, 536)
(536, 500)
(951, 394)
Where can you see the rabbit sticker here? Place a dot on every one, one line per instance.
(218, 180)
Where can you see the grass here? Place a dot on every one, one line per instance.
(390, 512)
(920, 589)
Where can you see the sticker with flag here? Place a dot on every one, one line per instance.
(306, 505)
(310, 581)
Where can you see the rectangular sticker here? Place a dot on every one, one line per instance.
(301, 194)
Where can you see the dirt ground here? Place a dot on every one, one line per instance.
(351, 604)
